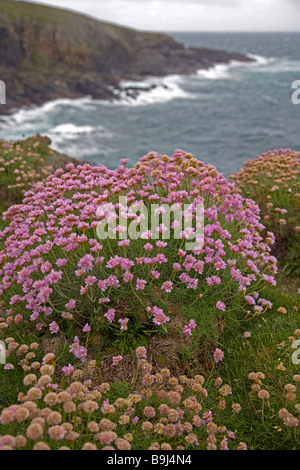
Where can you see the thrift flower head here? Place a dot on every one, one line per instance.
(116, 360)
(218, 355)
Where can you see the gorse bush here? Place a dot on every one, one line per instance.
(273, 182)
(58, 277)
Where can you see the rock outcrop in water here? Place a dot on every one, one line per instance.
(48, 53)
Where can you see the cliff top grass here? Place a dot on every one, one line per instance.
(72, 23)
(24, 162)
(21, 164)
(43, 13)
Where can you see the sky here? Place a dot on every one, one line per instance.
(191, 15)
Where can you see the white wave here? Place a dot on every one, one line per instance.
(216, 72)
(70, 138)
(40, 113)
(70, 130)
(222, 71)
(151, 91)
(273, 64)
(66, 133)
(259, 60)
(282, 66)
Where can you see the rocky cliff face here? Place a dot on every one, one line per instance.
(48, 53)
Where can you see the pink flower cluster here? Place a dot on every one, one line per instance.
(54, 270)
(79, 351)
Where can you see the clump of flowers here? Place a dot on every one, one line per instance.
(59, 275)
(273, 182)
(163, 413)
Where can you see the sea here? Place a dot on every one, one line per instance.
(224, 115)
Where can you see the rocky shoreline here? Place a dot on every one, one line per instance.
(48, 53)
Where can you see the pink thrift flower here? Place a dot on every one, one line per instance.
(79, 351)
(54, 328)
(86, 263)
(71, 304)
(123, 323)
(86, 328)
(124, 243)
(61, 262)
(116, 360)
(90, 280)
(192, 283)
(141, 352)
(113, 281)
(68, 370)
(176, 267)
(187, 330)
(102, 284)
(110, 315)
(140, 284)
(127, 276)
(148, 247)
(218, 355)
(221, 306)
(155, 274)
(167, 286)
(250, 300)
(159, 316)
(161, 244)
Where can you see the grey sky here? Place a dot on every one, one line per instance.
(193, 15)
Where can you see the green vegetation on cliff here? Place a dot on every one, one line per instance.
(23, 163)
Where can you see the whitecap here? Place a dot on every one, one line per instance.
(69, 134)
(70, 130)
(259, 60)
(222, 71)
(151, 91)
(283, 66)
(216, 72)
(40, 113)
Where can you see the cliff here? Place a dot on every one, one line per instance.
(48, 53)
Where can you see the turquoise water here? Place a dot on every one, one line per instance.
(224, 116)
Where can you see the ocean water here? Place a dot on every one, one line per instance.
(224, 115)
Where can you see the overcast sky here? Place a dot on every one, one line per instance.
(192, 15)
